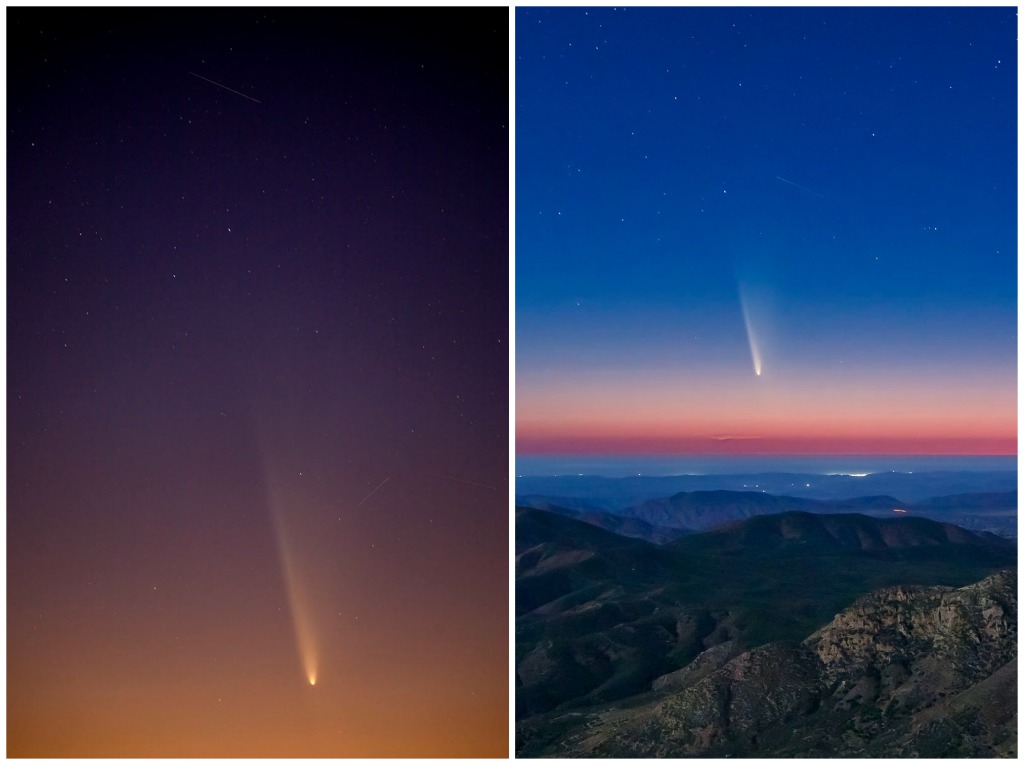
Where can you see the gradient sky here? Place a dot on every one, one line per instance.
(257, 382)
(828, 194)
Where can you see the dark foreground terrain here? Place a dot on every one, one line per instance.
(784, 635)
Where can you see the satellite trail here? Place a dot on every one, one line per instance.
(224, 86)
(802, 188)
(375, 489)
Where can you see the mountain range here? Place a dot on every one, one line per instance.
(665, 518)
(854, 629)
(615, 494)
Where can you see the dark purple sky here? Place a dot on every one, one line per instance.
(228, 321)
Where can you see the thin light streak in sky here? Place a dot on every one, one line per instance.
(802, 188)
(374, 490)
(225, 87)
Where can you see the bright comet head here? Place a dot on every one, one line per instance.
(312, 679)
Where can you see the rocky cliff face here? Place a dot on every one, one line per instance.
(943, 639)
(903, 672)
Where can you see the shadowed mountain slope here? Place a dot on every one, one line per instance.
(602, 619)
(902, 672)
(617, 524)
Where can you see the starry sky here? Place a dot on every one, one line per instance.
(766, 230)
(257, 382)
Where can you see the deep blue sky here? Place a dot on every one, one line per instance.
(650, 144)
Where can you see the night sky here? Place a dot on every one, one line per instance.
(766, 230)
(257, 373)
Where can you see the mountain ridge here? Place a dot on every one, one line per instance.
(665, 519)
(845, 530)
(615, 494)
(603, 620)
(901, 672)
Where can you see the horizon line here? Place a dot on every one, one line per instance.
(723, 454)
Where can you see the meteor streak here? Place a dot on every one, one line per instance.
(802, 188)
(375, 489)
(224, 86)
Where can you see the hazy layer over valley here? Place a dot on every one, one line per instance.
(979, 500)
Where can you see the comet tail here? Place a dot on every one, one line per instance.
(755, 351)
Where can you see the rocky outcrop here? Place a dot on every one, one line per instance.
(702, 666)
(903, 672)
(942, 639)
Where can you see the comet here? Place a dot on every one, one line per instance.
(755, 351)
(285, 506)
(301, 612)
(282, 512)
